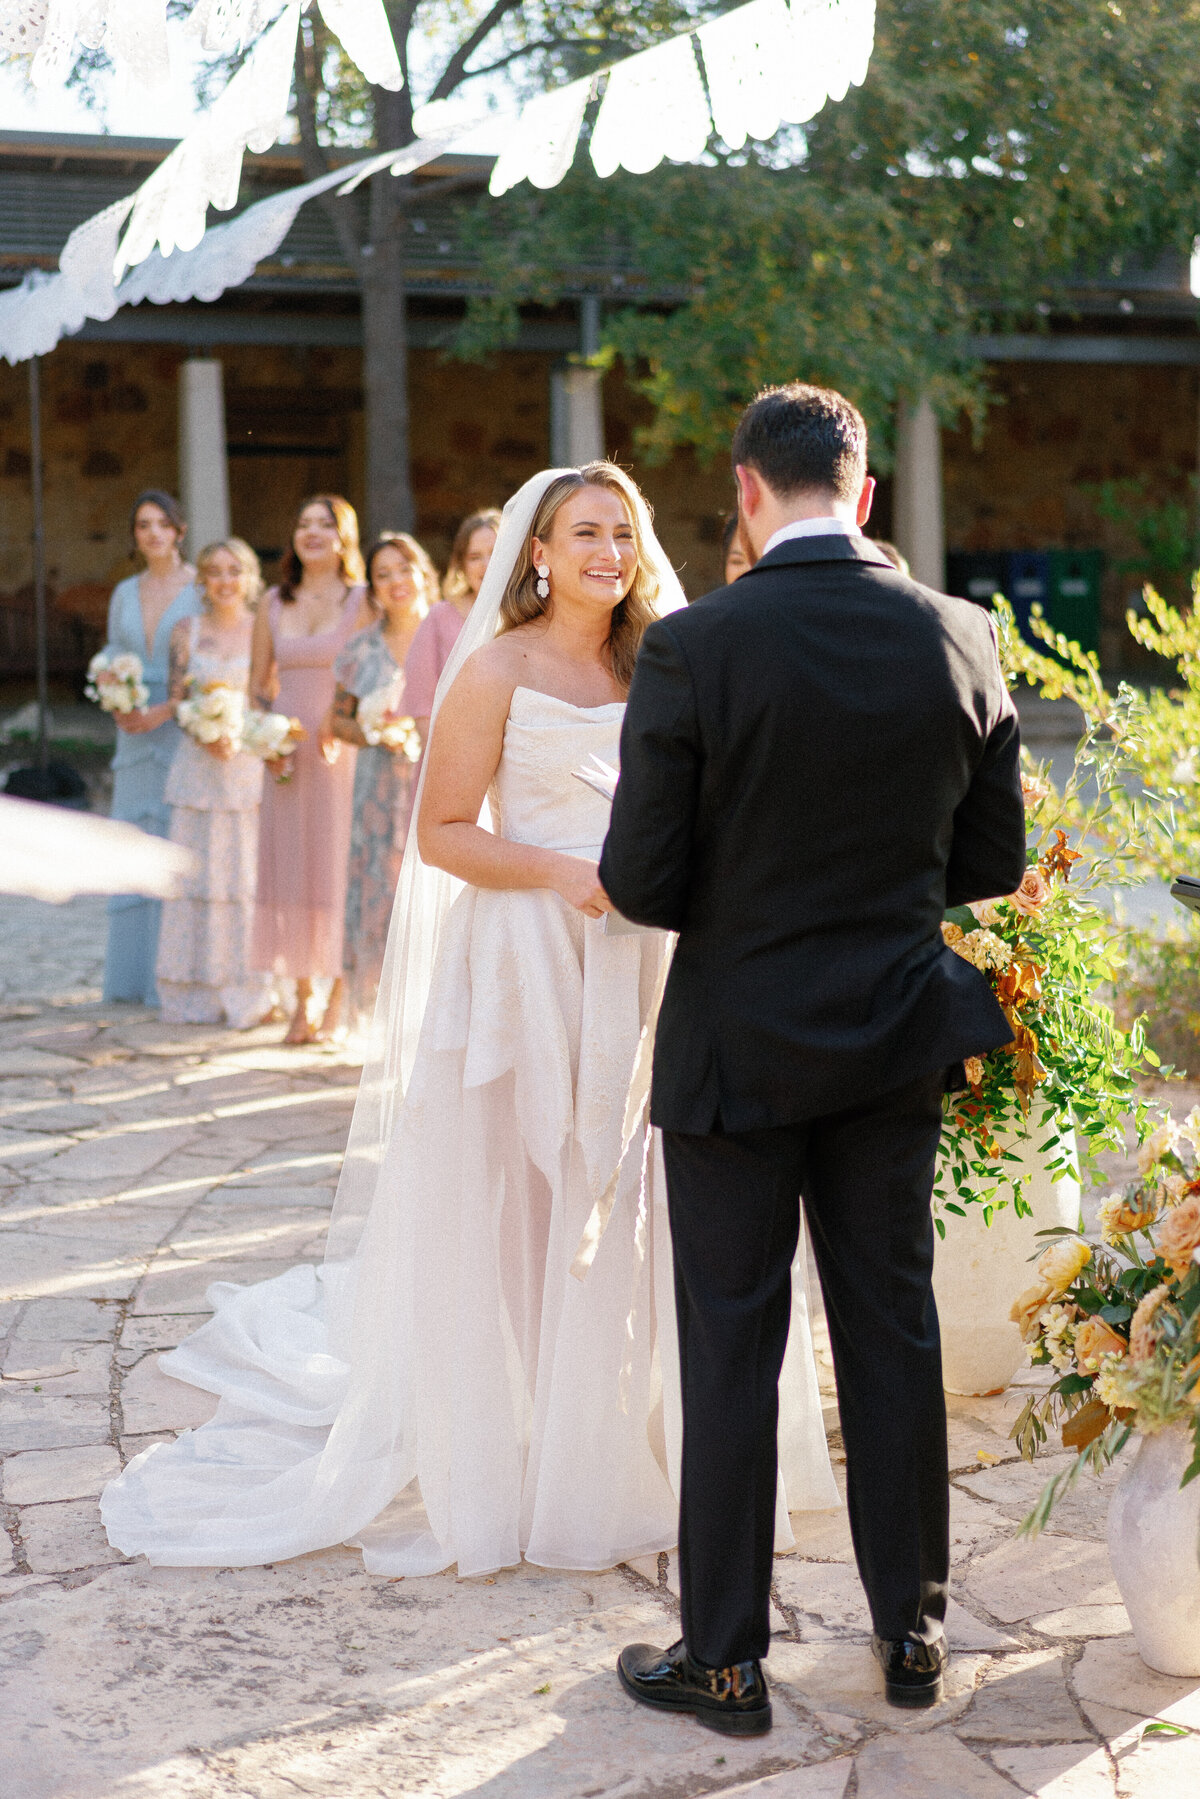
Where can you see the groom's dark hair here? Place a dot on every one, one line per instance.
(800, 437)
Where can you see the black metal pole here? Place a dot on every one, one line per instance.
(39, 554)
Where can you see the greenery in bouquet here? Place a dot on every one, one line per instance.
(1053, 956)
(1120, 1324)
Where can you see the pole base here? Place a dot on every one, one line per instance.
(58, 784)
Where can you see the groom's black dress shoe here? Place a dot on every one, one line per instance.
(912, 1670)
(733, 1700)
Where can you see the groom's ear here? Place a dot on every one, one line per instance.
(865, 500)
(750, 489)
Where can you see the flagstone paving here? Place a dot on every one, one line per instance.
(137, 1164)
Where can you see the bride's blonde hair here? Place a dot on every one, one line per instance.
(520, 603)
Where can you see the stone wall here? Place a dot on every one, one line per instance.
(295, 426)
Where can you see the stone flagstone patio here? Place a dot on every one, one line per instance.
(139, 1163)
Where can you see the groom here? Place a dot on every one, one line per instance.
(815, 762)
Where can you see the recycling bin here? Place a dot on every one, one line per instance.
(1074, 603)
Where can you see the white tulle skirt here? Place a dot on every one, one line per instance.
(454, 1394)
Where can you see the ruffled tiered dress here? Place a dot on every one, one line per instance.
(204, 969)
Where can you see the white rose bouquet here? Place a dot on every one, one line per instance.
(272, 736)
(386, 728)
(213, 712)
(114, 681)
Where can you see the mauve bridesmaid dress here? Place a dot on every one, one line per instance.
(304, 823)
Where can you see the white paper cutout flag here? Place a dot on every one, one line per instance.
(654, 106)
(543, 140)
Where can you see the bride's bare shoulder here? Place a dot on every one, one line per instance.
(487, 677)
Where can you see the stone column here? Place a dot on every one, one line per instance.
(917, 521)
(576, 416)
(577, 398)
(203, 464)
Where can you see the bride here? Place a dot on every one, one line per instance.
(485, 1368)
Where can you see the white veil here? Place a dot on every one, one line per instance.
(424, 894)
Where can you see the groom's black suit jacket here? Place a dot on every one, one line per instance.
(815, 762)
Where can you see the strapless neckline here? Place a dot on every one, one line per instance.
(553, 699)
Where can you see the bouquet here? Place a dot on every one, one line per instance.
(212, 712)
(384, 727)
(1120, 1324)
(114, 681)
(272, 736)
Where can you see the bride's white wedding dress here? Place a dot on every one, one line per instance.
(454, 1394)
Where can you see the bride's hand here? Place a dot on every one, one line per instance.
(579, 885)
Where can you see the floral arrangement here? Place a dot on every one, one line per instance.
(383, 726)
(1052, 955)
(272, 736)
(114, 681)
(212, 712)
(1120, 1325)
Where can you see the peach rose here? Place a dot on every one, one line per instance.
(1034, 790)
(1059, 1265)
(973, 1069)
(1093, 1341)
(1144, 1333)
(1027, 1310)
(1178, 1235)
(1032, 894)
(987, 912)
(952, 933)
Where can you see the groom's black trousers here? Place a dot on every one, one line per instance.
(865, 1175)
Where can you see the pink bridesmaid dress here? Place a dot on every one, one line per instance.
(304, 823)
(428, 654)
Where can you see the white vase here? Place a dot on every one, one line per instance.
(979, 1269)
(1154, 1548)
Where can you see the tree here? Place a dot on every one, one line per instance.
(995, 153)
(530, 42)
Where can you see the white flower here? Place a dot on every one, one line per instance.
(1184, 773)
(1058, 1328)
(115, 682)
(214, 713)
(1110, 1382)
(381, 723)
(1190, 1129)
(1162, 1142)
(984, 950)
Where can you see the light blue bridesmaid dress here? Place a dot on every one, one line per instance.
(140, 769)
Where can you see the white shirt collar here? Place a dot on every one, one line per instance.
(810, 527)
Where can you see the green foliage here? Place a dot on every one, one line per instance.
(1080, 1063)
(988, 157)
(1161, 532)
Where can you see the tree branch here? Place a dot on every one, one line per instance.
(455, 70)
(341, 213)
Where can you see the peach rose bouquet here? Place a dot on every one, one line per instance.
(1119, 1323)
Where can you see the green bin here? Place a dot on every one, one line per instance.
(1074, 599)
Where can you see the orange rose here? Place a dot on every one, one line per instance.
(1032, 894)
(973, 1069)
(1093, 1341)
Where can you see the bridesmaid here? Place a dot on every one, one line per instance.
(204, 967)
(470, 554)
(142, 613)
(304, 820)
(403, 583)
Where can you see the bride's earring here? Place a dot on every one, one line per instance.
(543, 581)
